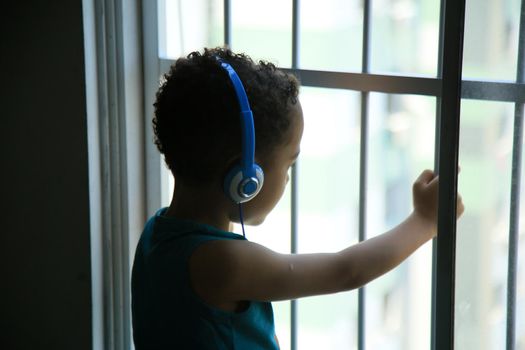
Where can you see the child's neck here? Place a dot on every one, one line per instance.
(205, 207)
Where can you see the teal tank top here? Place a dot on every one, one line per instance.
(167, 314)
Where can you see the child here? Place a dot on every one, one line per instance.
(195, 284)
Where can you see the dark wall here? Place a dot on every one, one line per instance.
(45, 288)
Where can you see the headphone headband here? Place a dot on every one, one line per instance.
(237, 85)
(247, 127)
(243, 182)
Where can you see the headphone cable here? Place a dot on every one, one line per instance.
(242, 222)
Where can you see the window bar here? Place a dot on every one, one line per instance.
(515, 193)
(365, 62)
(294, 177)
(361, 296)
(503, 91)
(448, 172)
(437, 133)
(514, 227)
(293, 249)
(227, 23)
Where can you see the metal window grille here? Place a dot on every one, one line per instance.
(448, 88)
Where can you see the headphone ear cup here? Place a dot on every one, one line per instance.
(240, 189)
(260, 176)
(231, 183)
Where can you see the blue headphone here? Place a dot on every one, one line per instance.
(246, 179)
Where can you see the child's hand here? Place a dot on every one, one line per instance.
(425, 195)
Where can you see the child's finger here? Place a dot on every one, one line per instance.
(425, 177)
(460, 208)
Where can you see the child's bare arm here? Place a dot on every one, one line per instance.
(227, 271)
(253, 272)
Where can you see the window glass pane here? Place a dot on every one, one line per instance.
(401, 145)
(328, 188)
(485, 156)
(189, 25)
(331, 35)
(491, 39)
(405, 36)
(263, 30)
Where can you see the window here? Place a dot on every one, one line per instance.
(374, 88)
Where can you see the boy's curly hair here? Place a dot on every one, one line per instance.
(197, 114)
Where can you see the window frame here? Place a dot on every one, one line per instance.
(448, 87)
